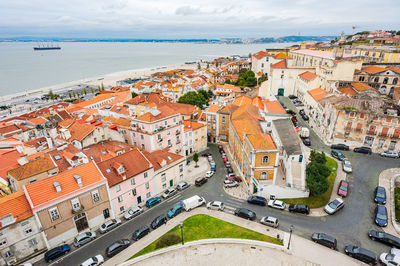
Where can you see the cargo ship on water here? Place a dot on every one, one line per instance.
(42, 47)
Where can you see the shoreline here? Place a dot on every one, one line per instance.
(109, 79)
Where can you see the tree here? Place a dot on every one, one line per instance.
(196, 159)
(70, 95)
(208, 65)
(134, 94)
(84, 91)
(317, 173)
(210, 94)
(198, 65)
(247, 79)
(92, 90)
(102, 86)
(193, 98)
(204, 93)
(317, 157)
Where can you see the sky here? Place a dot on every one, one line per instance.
(169, 19)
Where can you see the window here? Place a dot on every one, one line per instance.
(54, 214)
(141, 137)
(376, 79)
(32, 242)
(148, 195)
(7, 254)
(75, 204)
(3, 242)
(223, 128)
(145, 174)
(133, 181)
(28, 231)
(180, 168)
(24, 223)
(163, 178)
(120, 199)
(134, 192)
(121, 209)
(265, 159)
(147, 185)
(165, 122)
(118, 188)
(95, 196)
(164, 186)
(32, 181)
(133, 134)
(142, 146)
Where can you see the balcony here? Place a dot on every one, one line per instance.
(177, 132)
(159, 139)
(77, 210)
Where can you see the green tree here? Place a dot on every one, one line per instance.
(204, 93)
(317, 173)
(210, 94)
(198, 65)
(196, 158)
(84, 91)
(247, 79)
(92, 90)
(134, 94)
(102, 86)
(317, 157)
(193, 98)
(70, 95)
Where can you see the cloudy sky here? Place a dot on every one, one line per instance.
(193, 19)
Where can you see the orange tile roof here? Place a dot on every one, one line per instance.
(44, 191)
(282, 56)
(361, 86)
(188, 124)
(8, 160)
(158, 156)
(257, 101)
(347, 90)
(214, 108)
(260, 54)
(307, 75)
(318, 93)
(280, 64)
(98, 98)
(38, 121)
(395, 69)
(262, 141)
(373, 69)
(243, 100)
(274, 107)
(79, 131)
(17, 205)
(230, 87)
(165, 111)
(32, 168)
(125, 122)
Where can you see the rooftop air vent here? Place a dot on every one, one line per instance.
(78, 180)
(57, 186)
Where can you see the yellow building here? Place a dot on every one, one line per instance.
(195, 139)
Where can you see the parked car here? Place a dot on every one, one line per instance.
(215, 205)
(174, 211)
(384, 238)
(395, 251)
(210, 174)
(390, 154)
(182, 185)
(361, 254)
(93, 261)
(141, 232)
(233, 178)
(276, 204)
(213, 167)
(228, 165)
(338, 155)
(347, 168)
(340, 146)
(305, 117)
(325, 240)
(153, 201)
(169, 192)
(229, 170)
(108, 225)
(300, 208)
(380, 195)
(302, 112)
(245, 213)
(389, 259)
(210, 158)
(291, 97)
(220, 147)
(158, 221)
(117, 247)
(381, 218)
(225, 159)
(84, 238)
(200, 181)
(206, 154)
(270, 221)
(133, 212)
(306, 141)
(56, 252)
(365, 150)
(343, 188)
(257, 200)
(334, 206)
(230, 183)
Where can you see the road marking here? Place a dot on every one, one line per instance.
(173, 198)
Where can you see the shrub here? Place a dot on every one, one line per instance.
(317, 174)
(168, 240)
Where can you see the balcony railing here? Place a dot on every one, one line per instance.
(159, 139)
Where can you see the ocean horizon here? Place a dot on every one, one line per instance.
(23, 69)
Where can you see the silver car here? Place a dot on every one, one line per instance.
(390, 154)
(169, 192)
(110, 224)
(347, 166)
(270, 221)
(277, 204)
(334, 206)
(229, 183)
(84, 238)
(131, 213)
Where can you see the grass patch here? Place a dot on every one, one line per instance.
(397, 203)
(205, 227)
(323, 199)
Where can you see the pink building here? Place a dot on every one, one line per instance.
(130, 178)
(160, 128)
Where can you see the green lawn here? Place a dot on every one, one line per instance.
(205, 227)
(321, 200)
(397, 203)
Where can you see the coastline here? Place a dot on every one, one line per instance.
(109, 79)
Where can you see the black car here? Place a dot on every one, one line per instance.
(229, 170)
(245, 213)
(301, 112)
(361, 254)
(141, 232)
(291, 97)
(342, 147)
(157, 222)
(300, 208)
(381, 217)
(200, 181)
(206, 154)
(117, 247)
(257, 200)
(324, 239)
(380, 195)
(365, 150)
(305, 117)
(306, 141)
(384, 238)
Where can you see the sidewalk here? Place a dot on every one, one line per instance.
(387, 180)
(299, 247)
(193, 172)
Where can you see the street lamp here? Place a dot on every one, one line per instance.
(290, 236)
(181, 227)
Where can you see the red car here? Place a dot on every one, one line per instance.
(343, 188)
(220, 147)
(233, 178)
(225, 159)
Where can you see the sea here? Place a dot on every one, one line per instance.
(23, 69)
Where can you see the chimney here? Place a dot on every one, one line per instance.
(78, 180)
(57, 186)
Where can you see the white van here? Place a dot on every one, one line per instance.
(193, 202)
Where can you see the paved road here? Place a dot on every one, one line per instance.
(349, 226)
